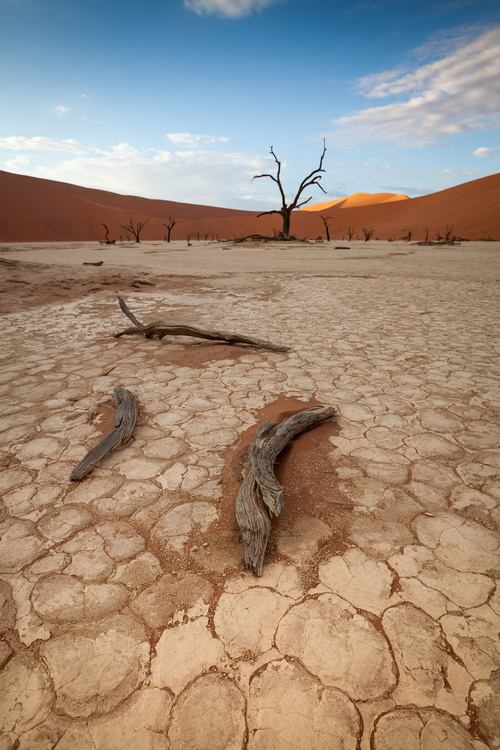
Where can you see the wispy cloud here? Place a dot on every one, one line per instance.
(61, 111)
(459, 93)
(228, 8)
(42, 143)
(18, 162)
(193, 176)
(483, 153)
(190, 140)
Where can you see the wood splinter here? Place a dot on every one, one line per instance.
(261, 494)
(126, 417)
(162, 329)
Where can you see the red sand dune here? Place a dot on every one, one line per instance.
(36, 210)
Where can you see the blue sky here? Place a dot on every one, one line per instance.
(182, 99)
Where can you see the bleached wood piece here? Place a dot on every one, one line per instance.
(126, 417)
(260, 493)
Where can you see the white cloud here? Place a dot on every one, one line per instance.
(482, 152)
(18, 162)
(228, 8)
(459, 93)
(60, 110)
(42, 143)
(191, 140)
(192, 176)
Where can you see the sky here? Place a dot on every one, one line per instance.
(182, 100)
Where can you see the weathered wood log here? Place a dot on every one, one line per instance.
(126, 417)
(277, 237)
(161, 329)
(99, 263)
(260, 493)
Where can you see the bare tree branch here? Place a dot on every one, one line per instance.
(161, 329)
(286, 209)
(169, 226)
(135, 230)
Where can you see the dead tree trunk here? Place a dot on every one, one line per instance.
(170, 225)
(107, 240)
(135, 229)
(162, 329)
(326, 221)
(126, 417)
(261, 494)
(286, 208)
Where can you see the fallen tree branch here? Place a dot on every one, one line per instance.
(126, 417)
(162, 329)
(261, 494)
(278, 237)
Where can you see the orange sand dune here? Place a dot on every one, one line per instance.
(356, 199)
(36, 210)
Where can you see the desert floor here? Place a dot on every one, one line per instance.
(128, 619)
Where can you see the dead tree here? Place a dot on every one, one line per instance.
(261, 495)
(135, 230)
(449, 237)
(126, 417)
(161, 329)
(368, 233)
(286, 209)
(350, 233)
(409, 234)
(326, 221)
(169, 226)
(107, 241)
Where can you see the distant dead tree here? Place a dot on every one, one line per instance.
(449, 237)
(368, 233)
(286, 209)
(409, 234)
(107, 241)
(426, 230)
(135, 230)
(350, 233)
(169, 226)
(326, 221)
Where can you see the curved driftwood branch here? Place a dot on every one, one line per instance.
(126, 311)
(261, 494)
(126, 417)
(161, 329)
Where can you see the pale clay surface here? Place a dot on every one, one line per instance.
(124, 622)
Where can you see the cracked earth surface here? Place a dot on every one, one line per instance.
(126, 617)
